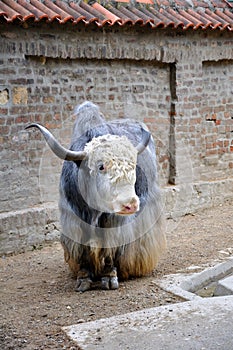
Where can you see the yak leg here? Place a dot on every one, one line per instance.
(109, 279)
(83, 281)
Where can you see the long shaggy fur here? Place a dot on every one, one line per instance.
(133, 244)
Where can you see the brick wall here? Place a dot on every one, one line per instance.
(217, 116)
(178, 83)
(206, 119)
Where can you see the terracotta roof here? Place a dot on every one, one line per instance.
(184, 14)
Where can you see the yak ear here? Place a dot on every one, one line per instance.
(144, 141)
(56, 147)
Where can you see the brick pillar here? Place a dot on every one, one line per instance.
(172, 139)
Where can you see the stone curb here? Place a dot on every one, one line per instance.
(185, 285)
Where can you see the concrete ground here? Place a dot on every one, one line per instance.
(205, 323)
(198, 324)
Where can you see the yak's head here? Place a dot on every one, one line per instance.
(107, 174)
(111, 161)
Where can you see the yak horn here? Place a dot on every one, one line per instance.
(56, 147)
(144, 141)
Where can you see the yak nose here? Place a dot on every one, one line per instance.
(131, 206)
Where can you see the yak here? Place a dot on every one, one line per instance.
(110, 202)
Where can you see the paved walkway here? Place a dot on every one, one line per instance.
(193, 325)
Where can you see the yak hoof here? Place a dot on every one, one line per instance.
(105, 283)
(109, 283)
(83, 284)
(114, 282)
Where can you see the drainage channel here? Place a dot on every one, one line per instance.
(220, 287)
(212, 282)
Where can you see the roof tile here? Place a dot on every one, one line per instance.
(8, 13)
(18, 9)
(185, 22)
(68, 9)
(145, 1)
(112, 17)
(35, 12)
(213, 22)
(47, 11)
(162, 18)
(85, 16)
(194, 14)
(196, 22)
(117, 11)
(129, 12)
(63, 15)
(154, 20)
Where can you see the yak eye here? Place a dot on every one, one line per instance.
(101, 167)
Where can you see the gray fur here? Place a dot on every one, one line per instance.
(94, 240)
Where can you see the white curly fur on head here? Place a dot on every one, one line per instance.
(117, 153)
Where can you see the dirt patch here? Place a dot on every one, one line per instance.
(37, 291)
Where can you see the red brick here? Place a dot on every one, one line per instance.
(48, 99)
(4, 130)
(57, 116)
(227, 115)
(4, 111)
(22, 119)
(195, 121)
(51, 125)
(219, 109)
(149, 120)
(211, 152)
(222, 150)
(220, 143)
(2, 121)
